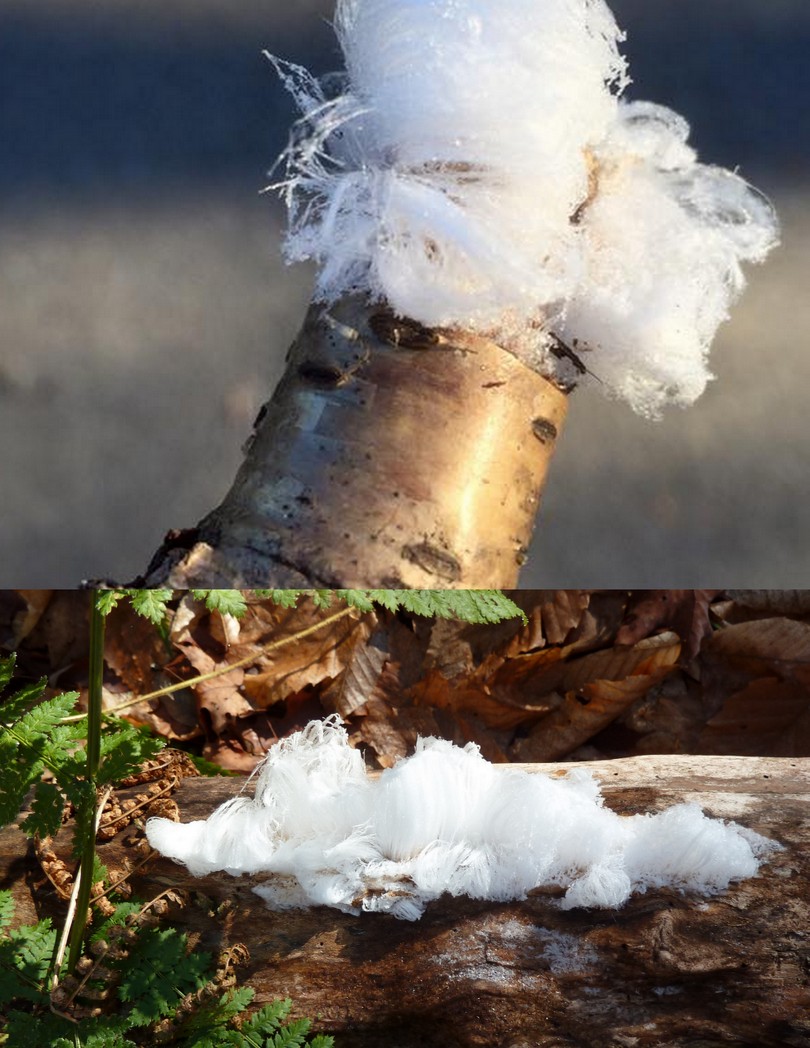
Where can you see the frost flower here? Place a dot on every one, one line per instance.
(475, 168)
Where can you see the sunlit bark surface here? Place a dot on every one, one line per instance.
(390, 455)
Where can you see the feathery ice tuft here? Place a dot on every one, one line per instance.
(445, 820)
(475, 168)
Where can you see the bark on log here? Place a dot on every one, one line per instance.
(389, 456)
(667, 969)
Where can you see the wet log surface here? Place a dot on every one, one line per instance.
(667, 969)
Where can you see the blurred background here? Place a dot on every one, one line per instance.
(145, 310)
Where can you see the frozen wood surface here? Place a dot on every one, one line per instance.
(666, 970)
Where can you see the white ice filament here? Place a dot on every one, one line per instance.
(445, 820)
(475, 168)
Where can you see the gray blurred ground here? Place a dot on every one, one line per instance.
(144, 309)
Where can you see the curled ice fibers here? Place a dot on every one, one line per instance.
(445, 820)
(475, 168)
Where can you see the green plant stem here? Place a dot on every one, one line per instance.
(94, 713)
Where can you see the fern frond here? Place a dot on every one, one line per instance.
(106, 600)
(386, 598)
(7, 669)
(209, 1026)
(124, 748)
(6, 909)
(158, 973)
(283, 598)
(37, 724)
(475, 606)
(97, 1033)
(31, 743)
(360, 599)
(151, 603)
(16, 705)
(226, 602)
(46, 811)
(25, 956)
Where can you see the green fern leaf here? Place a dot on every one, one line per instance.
(124, 748)
(26, 748)
(283, 598)
(268, 1018)
(208, 1026)
(106, 600)
(418, 602)
(150, 603)
(475, 606)
(46, 811)
(321, 598)
(322, 1040)
(360, 599)
(226, 602)
(158, 973)
(25, 956)
(16, 705)
(387, 598)
(39, 722)
(17, 777)
(6, 909)
(292, 1035)
(98, 1033)
(7, 669)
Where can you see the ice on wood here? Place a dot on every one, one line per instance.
(475, 168)
(445, 820)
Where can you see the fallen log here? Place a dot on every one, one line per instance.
(666, 969)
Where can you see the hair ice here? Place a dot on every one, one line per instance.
(474, 168)
(445, 820)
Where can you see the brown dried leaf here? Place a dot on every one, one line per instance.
(770, 717)
(21, 611)
(595, 704)
(278, 674)
(685, 612)
(543, 672)
(391, 732)
(499, 711)
(765, 647)
(554, 615)
(359, 682)
(450, 649)
(600, 622)
(132, 647)
(669, 718)
(774, 602)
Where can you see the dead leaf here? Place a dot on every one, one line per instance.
(765, 647)
(770, 717)
(685, 612)
(555, 614)
(358, 683)
(21, 611)
(474, 696)
(593, 705)
(775, 602)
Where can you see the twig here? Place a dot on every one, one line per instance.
(203, 677)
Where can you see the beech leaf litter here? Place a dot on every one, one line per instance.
(590, 675)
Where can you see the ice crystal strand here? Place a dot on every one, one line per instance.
(475, 169)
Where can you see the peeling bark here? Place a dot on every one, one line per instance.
(666, 970)
(389, 456)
